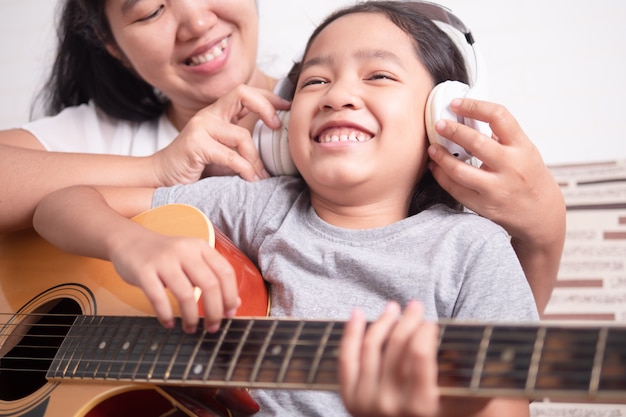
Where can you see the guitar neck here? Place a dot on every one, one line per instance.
(532, 361)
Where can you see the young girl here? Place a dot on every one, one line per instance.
(364, 224)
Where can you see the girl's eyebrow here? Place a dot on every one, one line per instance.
(360, 55)
(318, 60)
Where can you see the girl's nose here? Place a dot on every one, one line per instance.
(341, 95)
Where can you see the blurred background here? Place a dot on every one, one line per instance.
(557, 65)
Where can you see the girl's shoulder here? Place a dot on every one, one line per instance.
(463, 222)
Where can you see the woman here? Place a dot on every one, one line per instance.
(363, 224)
(136, 78)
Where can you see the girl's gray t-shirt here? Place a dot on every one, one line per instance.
(459, 265)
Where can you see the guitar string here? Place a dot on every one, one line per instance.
(457, 346)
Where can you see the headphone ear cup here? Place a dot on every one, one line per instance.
(438, 107)
(273, 147)
(280, 145)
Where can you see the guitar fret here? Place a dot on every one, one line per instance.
(597, 361)
(458, 346)
(158, 348)
(480, 358)
(567, 360)
(238, 349)
(509, 358)
(148, 353)
(142, 334)
(59, 365)
(216, 349)
(534, 360)
(133, 338)
(110, 346)
(167, 374)
(320, 353)
(283, 369)
(194, 354)
(613, 378)
(254, 375)
(121, 355)
(90, 329)
(326, 374)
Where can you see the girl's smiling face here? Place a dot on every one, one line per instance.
(357, 117)
(194, 51)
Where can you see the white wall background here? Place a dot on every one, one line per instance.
(557, 65)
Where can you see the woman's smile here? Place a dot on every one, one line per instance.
(213, 53)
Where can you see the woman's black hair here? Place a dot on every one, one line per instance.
(85, 71)
(438, 54)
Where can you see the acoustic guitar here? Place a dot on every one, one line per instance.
(76, 340)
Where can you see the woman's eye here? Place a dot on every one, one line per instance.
(152, 15)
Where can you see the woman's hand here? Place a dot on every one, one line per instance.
(390, 369)
(155, 262)
(213, 139)
(513, 187)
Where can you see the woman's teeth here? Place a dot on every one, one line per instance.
(343, 135)
(215, 52)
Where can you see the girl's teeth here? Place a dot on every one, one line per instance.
(343, 135)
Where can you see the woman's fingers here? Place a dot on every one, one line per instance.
(232, 108)
(212, 138)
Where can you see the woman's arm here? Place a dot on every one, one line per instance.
(28, 172)
(94, 222)
(513, 187)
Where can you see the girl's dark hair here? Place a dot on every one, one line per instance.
(83, 70)
(438, 54)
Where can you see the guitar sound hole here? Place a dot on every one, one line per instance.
(24, 367)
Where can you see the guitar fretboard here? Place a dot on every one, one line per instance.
(533, 361)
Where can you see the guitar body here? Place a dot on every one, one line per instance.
(42, 287)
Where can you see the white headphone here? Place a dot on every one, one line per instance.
(273, 145)
(438, 103)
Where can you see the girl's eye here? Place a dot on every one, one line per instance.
(381, 76)
(313, 81)
(152, 15)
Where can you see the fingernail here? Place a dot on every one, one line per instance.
(213, 328)
(456, 102)
(440, 125)
(232, 312)
(393, 307)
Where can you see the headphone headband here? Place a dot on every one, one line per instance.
(462, 37)
(442, 14)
